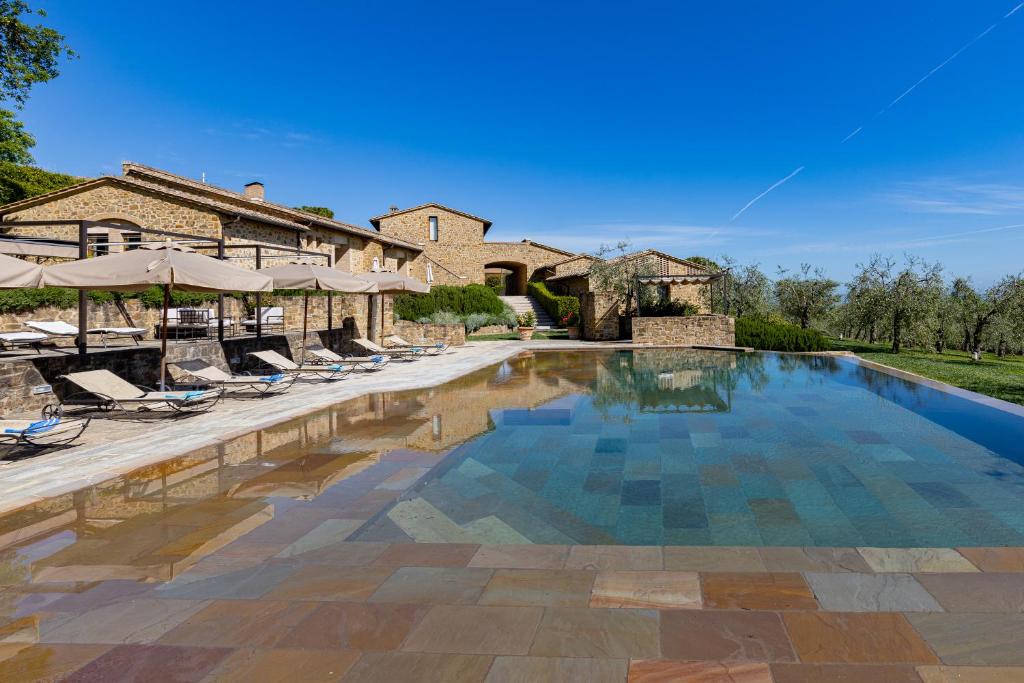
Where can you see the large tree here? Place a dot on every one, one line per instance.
(748, 290)
(909, 294)
(15, 143)
(318, 210)
(616, 271)
(805, 295)
(30, 53)
(979, 311)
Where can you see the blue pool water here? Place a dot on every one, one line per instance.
(708, 448)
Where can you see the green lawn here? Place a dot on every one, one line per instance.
(993, 376)
(513, 335)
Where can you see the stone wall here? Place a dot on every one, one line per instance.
(690, 330)
(415, 332)
(599, 314)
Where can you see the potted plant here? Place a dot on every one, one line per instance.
(571, 325)
(526, 322)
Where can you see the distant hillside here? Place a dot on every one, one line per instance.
(20, 182)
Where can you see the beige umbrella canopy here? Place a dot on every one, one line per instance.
(16, 273)
(393, 283)
(308, 276)
(172, 266)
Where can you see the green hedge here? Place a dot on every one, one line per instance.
(558, 307)
(24, 300)
(458, 300)
(774, 336)
(19, 182)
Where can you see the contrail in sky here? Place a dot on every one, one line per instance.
(758, 197)
(968, 232)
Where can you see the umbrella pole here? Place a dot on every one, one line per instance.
(305, 313)
(163, 339)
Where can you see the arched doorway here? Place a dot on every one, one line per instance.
(512, 275)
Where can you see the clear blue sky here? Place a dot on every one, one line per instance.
(575, 123)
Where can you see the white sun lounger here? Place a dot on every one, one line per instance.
(59, 328)
(260, 385)
(324, 372)
(105, 391)
(434, 349)
(369, 363)
(412, 353)
(12, 340)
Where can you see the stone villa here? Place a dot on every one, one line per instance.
(431, 242)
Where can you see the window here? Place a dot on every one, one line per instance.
(99, 244)
(131, 240)
(433, 228)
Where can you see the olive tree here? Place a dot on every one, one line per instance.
(805, 295)
(748, 290)
(909, 294)
(616, 271)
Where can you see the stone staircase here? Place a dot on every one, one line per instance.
(522, 304)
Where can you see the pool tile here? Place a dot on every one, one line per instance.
(48, 662)
(856, 637)
(844, 673)
(995, 559)
(281, 666)
(970, 674)
(329, 583)
(647, 590)
(811, 559)
(757, 590)
(356, 626)
(977, 592)
(530, 669)
(476, 629)
(713, 559)
(433, 585)
(428, 554)
(521, 556)
(238, 623)
(915, 560)
(611, 557)
(978, 639)
(665, 671)
(585, 632)
(545, 587)
(641, 492)
(390, 667)
(134, 621)
(151, 663)
(724, 636)
(852, 592)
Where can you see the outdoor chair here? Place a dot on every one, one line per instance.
(107, 393)
(12, 340)
(409, 354)
(434, 349)
(59, 328)
(271, 317)
(333, 371)
(319, 355)
(194, 322)
(52, 429)
(258, 385)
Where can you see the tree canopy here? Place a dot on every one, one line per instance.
(318, 210)
(15, 142)
(30, 53)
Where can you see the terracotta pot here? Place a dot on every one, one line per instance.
(573, 331)
(525, 333)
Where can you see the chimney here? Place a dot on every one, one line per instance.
(392, 209)
(254, 190)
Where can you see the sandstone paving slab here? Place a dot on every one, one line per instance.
(239, 623)
(151, 663)
(974, 639)
(757, 590)
(852, 592)
(647, 590)
(330, 583)
(995, 559)
(247, 583)
(433, 585)
(977, 592)
(662, 671)
(48, 662)
(724, 636)
(327, 533)
(521, 556)
(584, 632)
(428, 554)
(713, 559)
(390, 667)
(283, 666)
(544, 587)
(915, 560)
(844, 673)
(475, 629)
(811, 559)
(354, 626)
(531, 669)
(857, 637)
(607, 557)
(971, 674)
(133, 621)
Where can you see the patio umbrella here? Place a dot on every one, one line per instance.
(16, 273)
(307, 276)
(169, 265)
(393, 283)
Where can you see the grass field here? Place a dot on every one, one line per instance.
(999, 377)
(513, 335)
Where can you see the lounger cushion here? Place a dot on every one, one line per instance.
(22, 337)
(54, 327)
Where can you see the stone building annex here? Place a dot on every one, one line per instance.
(431, 242)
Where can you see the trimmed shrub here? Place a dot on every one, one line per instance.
(459, 300)
(774, 336)
(24, 300)
(558, 307)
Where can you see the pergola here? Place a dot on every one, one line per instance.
(708, 279)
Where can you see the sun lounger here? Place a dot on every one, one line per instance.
(105, 391)
(324, 372)
(434, 349)
(59, 328)
(51, 430)
(411, 353)
(260, 385)
(12, 340)
(319, 354)
(270, 317)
